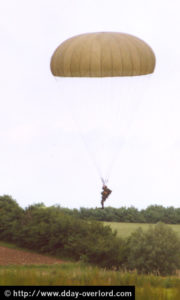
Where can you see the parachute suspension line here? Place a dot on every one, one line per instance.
(129, 125)
(90, 153)
(111, 165)
(104, 181)
(111, 110)
(82, 137)
(115, 108)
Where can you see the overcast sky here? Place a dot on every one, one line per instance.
(43, 157)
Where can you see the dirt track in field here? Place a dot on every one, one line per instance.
(19, 257)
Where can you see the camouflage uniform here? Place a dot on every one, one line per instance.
(105, 194)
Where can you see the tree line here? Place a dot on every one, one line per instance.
(152, 214)
(54, 231)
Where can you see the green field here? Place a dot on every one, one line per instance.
(148, 287)
(125, 229)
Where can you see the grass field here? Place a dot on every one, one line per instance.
(148, 287)
(125, 229)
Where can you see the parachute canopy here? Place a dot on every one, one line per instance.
(103, 54)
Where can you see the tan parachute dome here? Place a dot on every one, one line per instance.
(102, 54)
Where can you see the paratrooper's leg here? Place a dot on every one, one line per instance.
(102, 202)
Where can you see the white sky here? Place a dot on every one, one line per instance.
(42, 156)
